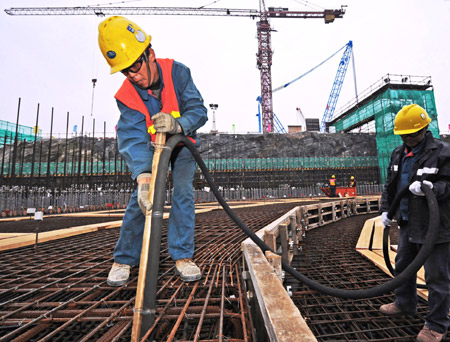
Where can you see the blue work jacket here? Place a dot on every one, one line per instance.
(133, 139)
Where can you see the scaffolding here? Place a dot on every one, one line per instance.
(381, 102)
(8, 133)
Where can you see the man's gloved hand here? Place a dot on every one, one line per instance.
(143, 192)
(415, 187)
(166, 123)
(385, 219)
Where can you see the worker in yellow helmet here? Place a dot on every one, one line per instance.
(157, 95)
(422, 161)
(352, 182)
(332, 183)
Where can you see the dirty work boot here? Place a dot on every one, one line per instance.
(428, 335)
(392, 310)
(118, 275)
(187, 270)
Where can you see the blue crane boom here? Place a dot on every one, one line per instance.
(277, 125)
(337, 85)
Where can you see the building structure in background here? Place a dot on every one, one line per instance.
(376, 109)
(312, 125)
(295, 128)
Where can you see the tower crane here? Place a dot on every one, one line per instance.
(264, 54)
(336, 88)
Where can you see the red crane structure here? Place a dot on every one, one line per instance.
(264, 55)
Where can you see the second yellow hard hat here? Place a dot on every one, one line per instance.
(410, 119)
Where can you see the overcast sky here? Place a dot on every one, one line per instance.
(51, 60)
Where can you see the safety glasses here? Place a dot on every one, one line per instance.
(135, 67)
(412, 135)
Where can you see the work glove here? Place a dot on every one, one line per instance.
(144, 192)
(166, 123)
(415, 187)
(387, 222)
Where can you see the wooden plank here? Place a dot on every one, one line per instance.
(376, 254)
(29, 239)
(378, 259)
(343, 210)
(319, 207)
(392, 255)
(303, 222)
(378, 234)
(366, 234)
(294, 234)
(275, 262)
(313, 225)
(283, 229)
(11, 235)
(270, 240)
(282, 319)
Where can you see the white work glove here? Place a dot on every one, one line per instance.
(385, 219)
(144, 201)
(166, 123)
(415, 187)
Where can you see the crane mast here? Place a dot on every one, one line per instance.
(264, 63)
(336, 88)
(264, 55)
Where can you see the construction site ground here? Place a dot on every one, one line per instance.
(56, 290)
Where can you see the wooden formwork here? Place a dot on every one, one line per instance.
(263, 273)
(370, 245)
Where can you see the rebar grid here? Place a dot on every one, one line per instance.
(328, 256)
(58, 292)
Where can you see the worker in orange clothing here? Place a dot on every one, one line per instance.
(332, 186)
(157, 95)
(352, 182)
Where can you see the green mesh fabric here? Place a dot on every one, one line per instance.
(383, 109)
(8, 129)
(249, 164)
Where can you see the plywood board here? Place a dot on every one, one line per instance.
(376, 254)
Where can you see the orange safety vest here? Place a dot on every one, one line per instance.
(332, 181)
(128, 95)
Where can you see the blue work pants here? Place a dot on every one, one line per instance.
(181, 221)
(437, 278)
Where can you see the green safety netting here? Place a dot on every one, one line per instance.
(71, 168)
(250, 164)
(382, 109)
(8, 132)
(254, 164)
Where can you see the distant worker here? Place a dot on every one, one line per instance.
(333, 186)
(352, 182)
(158, 95)
(421, 161)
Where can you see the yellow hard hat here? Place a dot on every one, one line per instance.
(121, 41)
(333, 176)
(410, 119)
(352, 177)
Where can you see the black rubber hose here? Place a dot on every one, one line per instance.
(151, 280)
(392, 209)
(390, 285)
